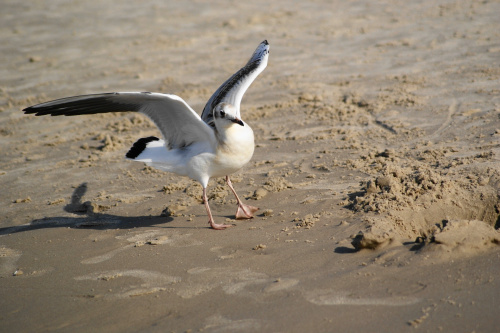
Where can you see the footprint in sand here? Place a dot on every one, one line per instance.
(151, 237)
(9, 258)
(150, 281)
(280, 284)
(107, 256)
(233, 282)
(219, 323)
(330, 297)
(204, 279)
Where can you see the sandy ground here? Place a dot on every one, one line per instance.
(376, 169)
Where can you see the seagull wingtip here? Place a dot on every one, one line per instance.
(31, 110)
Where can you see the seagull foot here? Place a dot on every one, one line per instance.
(245, 211)
(216, 226)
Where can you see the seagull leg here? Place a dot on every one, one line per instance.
(243, 211)
(211, 219)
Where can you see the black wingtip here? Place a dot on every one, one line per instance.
(41, 112)
(29, 110)
(139, 147)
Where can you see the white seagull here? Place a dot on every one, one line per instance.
(216, 144)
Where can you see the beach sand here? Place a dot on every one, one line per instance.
(376, 169)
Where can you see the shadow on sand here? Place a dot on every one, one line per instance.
(89, 218)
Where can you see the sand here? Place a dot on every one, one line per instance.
(376, 169)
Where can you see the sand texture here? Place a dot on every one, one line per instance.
(376, 169)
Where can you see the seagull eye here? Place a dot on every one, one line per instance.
(222, 114)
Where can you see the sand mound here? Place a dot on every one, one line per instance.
(466, 236)
(410, 201)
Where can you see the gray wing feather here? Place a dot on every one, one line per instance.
(177, 121)
(233, 89)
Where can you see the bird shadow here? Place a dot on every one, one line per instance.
(89, 218)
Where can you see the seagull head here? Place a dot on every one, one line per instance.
(225, 114)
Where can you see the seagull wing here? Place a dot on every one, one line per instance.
(179, 124)
(234, 88)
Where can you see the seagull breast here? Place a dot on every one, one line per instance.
(235, 149)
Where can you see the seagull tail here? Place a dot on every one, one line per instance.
(139, 150)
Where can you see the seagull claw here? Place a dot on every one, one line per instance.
(245, 211)
(216, 226)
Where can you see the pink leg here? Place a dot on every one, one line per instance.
(243, 211)
(210, 218)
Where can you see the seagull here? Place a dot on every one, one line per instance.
(216, 144)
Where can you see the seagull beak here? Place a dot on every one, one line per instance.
(238, 121)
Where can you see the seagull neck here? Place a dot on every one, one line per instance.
(221, 134)
(235, 137)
